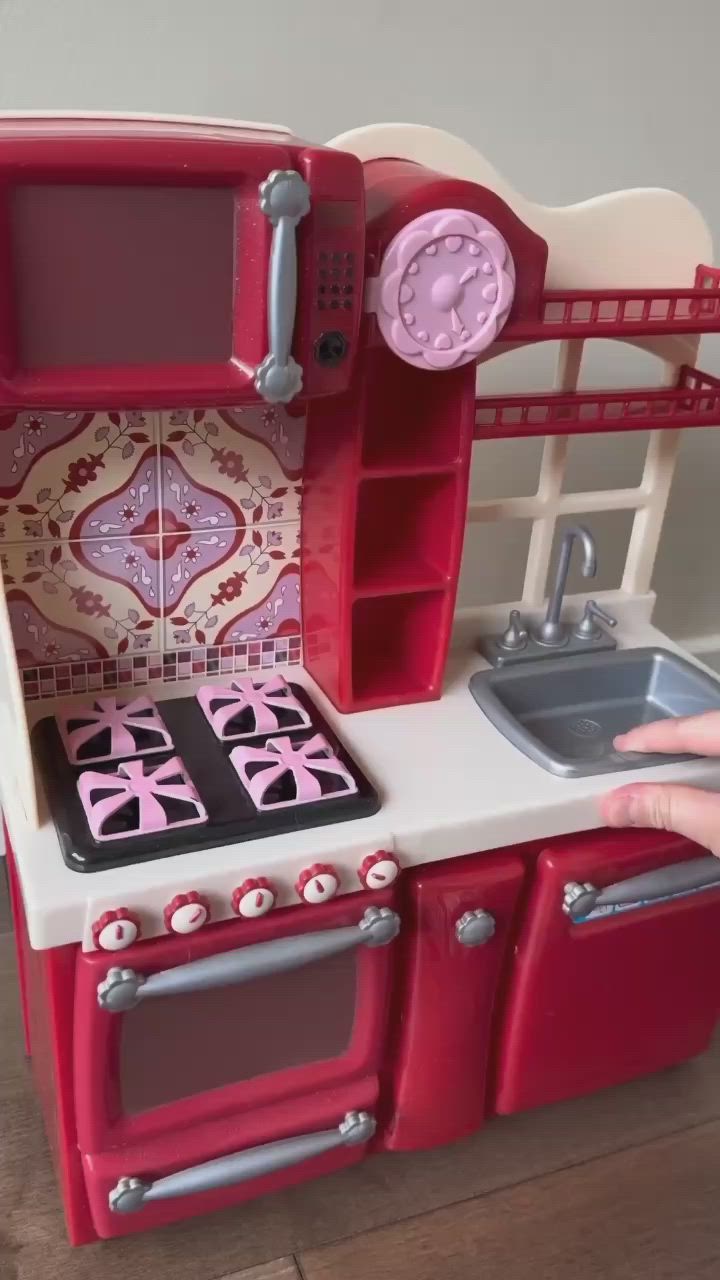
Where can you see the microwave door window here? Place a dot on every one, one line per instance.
(179, 1046)
(122, 275)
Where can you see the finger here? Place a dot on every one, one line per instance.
(666, 807)
(692, 735)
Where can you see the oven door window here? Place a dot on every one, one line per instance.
(177, 1047)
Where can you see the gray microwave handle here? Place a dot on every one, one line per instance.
(284, 199)
(131, 1194)
(123, 989)
(683, 877)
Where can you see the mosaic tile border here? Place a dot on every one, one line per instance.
(169, 667)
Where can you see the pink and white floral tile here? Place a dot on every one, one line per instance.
(56, 467)
(78, 601)
(230, 586)
(225, 468)
(126, 534)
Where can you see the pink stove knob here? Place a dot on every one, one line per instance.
(254, 898)
(379, 870)
(116, 930)
(445, 288)
(318, 883)
(187, 913)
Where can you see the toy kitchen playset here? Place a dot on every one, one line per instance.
(303, 864)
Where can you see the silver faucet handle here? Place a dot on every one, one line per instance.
(586, 628)
(515, 635)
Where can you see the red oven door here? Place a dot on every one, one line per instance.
(629, 986)
(245, 1016)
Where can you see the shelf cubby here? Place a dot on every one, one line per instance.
(401, 532)
(396, 657)
(409, 417)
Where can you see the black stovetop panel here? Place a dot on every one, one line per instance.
(232, 816)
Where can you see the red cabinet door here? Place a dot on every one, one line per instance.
(623, 992)
(453, 945)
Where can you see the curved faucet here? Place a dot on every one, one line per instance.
(552, 632)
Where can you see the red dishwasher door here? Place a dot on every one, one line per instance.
(454, 947)
(611, 985)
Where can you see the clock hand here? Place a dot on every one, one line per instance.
(468, 275)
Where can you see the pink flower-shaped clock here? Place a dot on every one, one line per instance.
(446, 286)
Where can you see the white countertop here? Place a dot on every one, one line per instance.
(449, 784)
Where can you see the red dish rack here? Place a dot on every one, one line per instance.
(623, 313)
(693, 402)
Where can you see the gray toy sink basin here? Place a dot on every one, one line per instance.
(564, 713)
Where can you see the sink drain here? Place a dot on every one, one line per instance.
(584, 728)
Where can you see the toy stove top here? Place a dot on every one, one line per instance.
(131, 780)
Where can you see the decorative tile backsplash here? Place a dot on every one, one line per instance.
(56, 679)
(123, 534)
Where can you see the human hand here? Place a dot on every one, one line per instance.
(669, 806)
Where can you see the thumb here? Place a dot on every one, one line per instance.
(666, 807)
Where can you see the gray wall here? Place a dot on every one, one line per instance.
(568, 97)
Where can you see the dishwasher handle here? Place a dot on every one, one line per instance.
(682, 877)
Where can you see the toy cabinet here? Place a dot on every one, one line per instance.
(210, 1019)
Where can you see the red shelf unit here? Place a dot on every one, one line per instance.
(623, 313)
(694, 402)
(383, 521)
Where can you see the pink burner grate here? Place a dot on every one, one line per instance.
(135, 802)
(248, 707)
(109, 730)
(283, 773)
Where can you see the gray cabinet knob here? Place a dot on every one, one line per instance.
(475, 928)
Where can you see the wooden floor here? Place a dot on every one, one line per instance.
(623, 1186)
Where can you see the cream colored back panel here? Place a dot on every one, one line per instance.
(648, 500)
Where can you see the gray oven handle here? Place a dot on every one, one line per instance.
(131, 1194)
(683, 877)
(123, 989)
(284, 199)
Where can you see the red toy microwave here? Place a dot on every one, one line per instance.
(162, 262)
